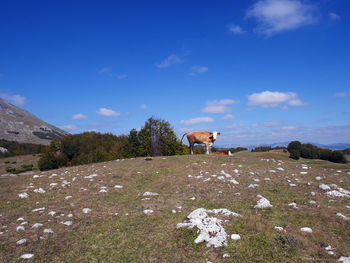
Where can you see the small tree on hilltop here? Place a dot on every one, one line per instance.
(294, 149)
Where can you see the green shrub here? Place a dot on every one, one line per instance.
(337, 157)
(294, 154)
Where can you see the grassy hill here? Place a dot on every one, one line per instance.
(117, 229)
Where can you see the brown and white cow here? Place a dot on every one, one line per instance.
(205, 137)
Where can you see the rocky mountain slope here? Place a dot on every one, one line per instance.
(19, 125)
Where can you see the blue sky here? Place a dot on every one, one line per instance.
(258, 71)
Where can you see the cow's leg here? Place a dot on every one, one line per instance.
(207, 145)
(191, 148)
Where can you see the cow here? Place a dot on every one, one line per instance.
(205, 137)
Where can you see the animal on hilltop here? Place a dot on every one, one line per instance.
(205, 137)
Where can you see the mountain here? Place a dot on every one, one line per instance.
(19, 125)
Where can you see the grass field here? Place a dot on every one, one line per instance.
(116, 228)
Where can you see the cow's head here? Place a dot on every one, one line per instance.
(215, 134)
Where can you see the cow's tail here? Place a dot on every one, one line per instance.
(183, 137)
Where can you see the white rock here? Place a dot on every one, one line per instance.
(86, 210)
(306, 229)
(343, 216)
(279, 228)
(36, 225)
(318, 178)
(27, 256)
(22, 241)
(210, 228)
(235, 237)
(39, 190)
(48, 230)
(67, 223)
(262, 202)
(148, 211)
(344, 259)
(38, 209)
(20, 228)
(324, 187)
(52, 213)
(23, 195)
(68, 197)
(234, 181)
(118, 186)
(293, 205)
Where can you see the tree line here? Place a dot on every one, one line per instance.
(155, 138)
(16, 148)
(309, 151)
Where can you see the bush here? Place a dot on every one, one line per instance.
(50, 160)
(294, 149)
(337, 157)
(294, 154)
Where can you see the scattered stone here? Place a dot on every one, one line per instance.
(67, 223)
(48, 230)
(210, 228)
(306, 229)
(27, 256)
(279, 228)
(86, 210)
(36, 225)
(148, 211)
(22, 241)
(23, 195)
(262, 202)
(38, 209)
(235, 237)
(39, 190)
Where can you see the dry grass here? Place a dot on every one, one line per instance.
(132, 236)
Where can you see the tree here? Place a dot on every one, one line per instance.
(157, 138)
(294, 149)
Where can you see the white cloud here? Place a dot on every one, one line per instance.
(342, 94)
(228, 117)
(197, 121)
(289, 128)
(198, 70)
(119, 76)
(17, 100)
(233, 126)
(68, 127)
(108, 113)
(169, 61)
(270, 99)
(79, 116)
(104, 70)
(219, 106)
(334, 16)
(274, 16)
(143, 107)
(267, 124)
(237, 30)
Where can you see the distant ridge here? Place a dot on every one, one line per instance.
(334, 146)
(19, 125)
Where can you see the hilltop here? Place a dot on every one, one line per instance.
(137, 210)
